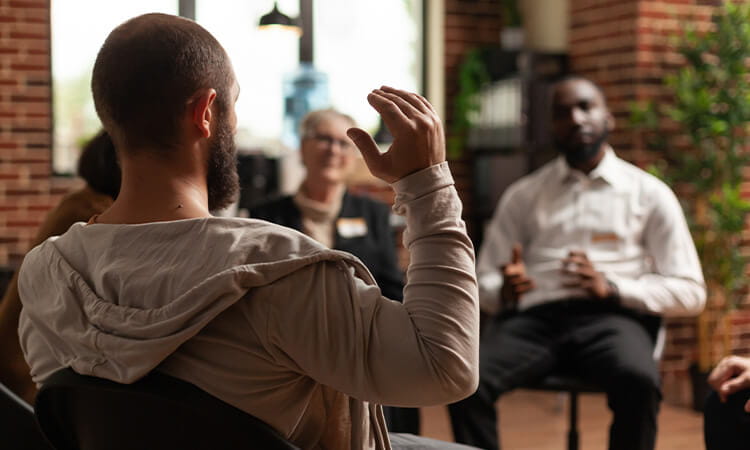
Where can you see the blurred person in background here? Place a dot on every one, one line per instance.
(325, 210)
(98, 167)
(580, 262)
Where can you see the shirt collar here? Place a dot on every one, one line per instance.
(607, 169)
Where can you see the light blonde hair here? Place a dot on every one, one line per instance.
(310, 122)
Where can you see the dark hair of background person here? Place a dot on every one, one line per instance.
(575, 77)
(98, 165)
(145, 74)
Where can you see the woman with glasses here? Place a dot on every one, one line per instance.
(323, 209)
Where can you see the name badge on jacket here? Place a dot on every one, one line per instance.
(604, 237)
(351, 227)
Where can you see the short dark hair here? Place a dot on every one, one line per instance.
(576, 77)
(148, 69)
(98, 165)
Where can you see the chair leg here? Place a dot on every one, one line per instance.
(573, 425)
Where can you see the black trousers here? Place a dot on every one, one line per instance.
(402, 420)
(405, 441)
(599, 342)
(726, 426)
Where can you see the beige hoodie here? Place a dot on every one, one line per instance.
(263, 317)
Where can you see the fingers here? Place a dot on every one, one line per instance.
(415, 100)
(583, 273)
(393, 116)
(516, 254)
(512, 270)
(578, 254)
(519, 281)
(577, 258)
(402, 102)
(734, 385)
(515, 266)
(726, 369)
(719, 375)
(523, 286)
(368, 148)
(418, 137)
(577, 264)
(577, 283)
(730, 375)
(364, 142)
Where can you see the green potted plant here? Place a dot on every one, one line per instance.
(472, 75)
(711, 108)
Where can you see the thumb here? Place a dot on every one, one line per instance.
(365, 143)
(517, 253)
(376, 162)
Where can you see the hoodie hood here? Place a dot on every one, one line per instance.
(114, 301)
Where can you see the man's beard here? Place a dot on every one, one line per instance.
(222, 180)
(581, 153)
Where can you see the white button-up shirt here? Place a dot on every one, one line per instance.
(628, 222)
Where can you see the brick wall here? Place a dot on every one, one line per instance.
(624, 46)
(27, 190)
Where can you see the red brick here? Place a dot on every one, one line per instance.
(24, 4)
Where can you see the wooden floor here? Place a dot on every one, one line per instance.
(532, 420)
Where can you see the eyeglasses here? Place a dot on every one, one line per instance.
(327, 140)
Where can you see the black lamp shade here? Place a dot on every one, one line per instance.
(278, 19)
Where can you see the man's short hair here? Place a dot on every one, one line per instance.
(146, 72)
(576, 77)
(310, 122)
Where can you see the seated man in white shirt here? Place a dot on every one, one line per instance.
(257, 315)
(580, 259)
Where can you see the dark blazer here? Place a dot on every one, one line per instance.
(375, 248)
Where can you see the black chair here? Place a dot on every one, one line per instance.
(564, 382)
(156, 412)
(18, 427)
(560, 382)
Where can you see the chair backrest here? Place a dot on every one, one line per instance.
(158, 411)
(660, 342)
(657, 330)
(18, 427)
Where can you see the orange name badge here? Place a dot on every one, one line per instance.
(604, 237)
(351, 227)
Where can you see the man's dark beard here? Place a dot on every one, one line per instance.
(581, 153)
(222, 180)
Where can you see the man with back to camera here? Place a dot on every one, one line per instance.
(257, 315)
(580, 258)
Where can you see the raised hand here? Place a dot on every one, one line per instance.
(732, 374)
(418, 138)
(580, 273)
(515, 280)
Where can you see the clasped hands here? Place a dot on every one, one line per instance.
(578, 270)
